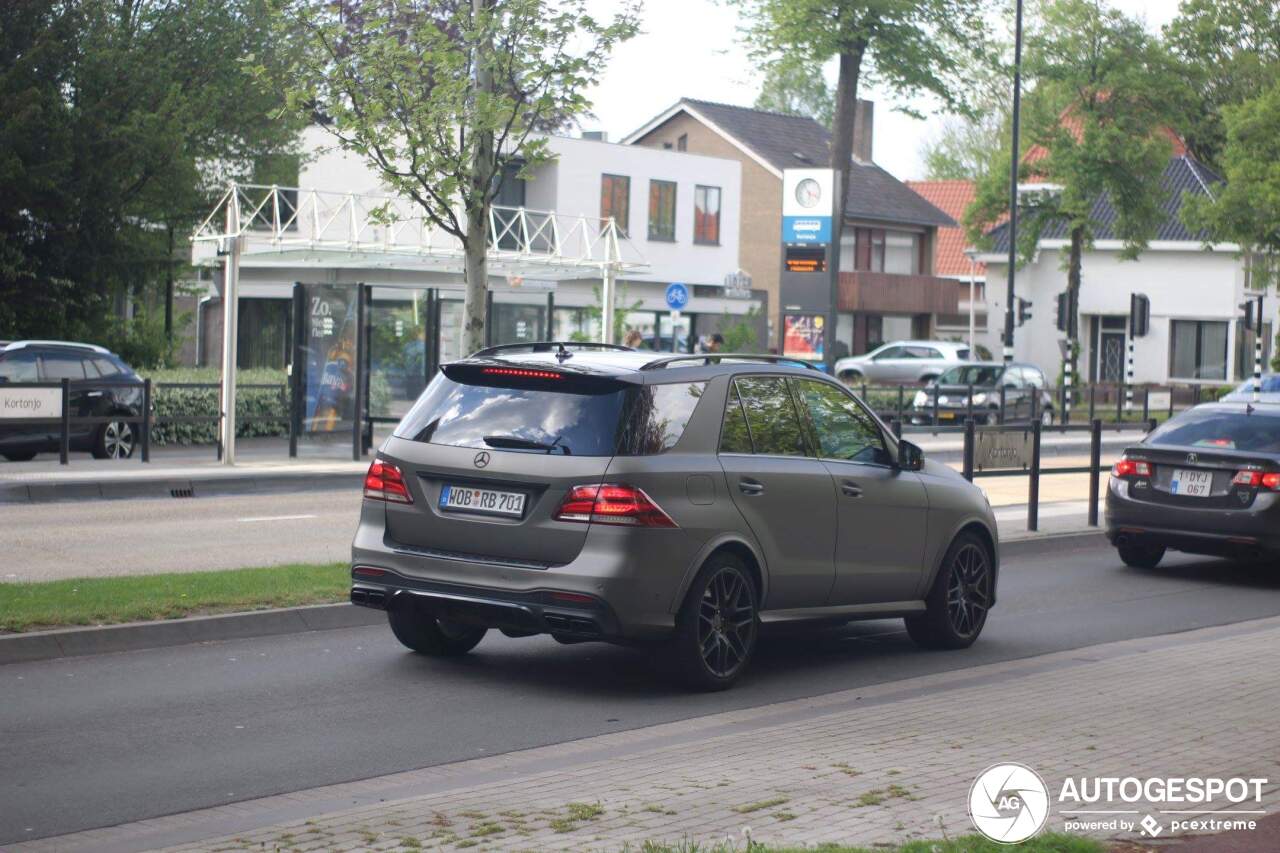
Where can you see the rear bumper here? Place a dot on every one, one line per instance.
(1244, 533)
(537, 612)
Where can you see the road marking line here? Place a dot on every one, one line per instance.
(277, 518)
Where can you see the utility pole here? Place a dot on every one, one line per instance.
(1013, 184)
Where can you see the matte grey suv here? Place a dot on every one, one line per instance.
(680, 501)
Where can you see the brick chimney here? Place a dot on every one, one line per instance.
(864, 122)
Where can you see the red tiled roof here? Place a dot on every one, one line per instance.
(951, 197)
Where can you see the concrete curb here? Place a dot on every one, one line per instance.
(77, 642)
(133, 636)
(173, 487)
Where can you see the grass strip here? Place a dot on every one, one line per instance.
(141, 598)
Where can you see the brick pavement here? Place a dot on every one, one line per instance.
(877, 764)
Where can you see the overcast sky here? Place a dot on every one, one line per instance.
(689, 48)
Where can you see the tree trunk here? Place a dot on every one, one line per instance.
(478, 202)
(842, 129)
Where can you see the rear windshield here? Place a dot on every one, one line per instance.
(1270, 385)
(1210, 428)
(971, 376)
(600, 421)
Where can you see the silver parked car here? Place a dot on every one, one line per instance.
(679, 501)
(903, 363)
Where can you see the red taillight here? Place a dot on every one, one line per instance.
(384, 482)
(523, 373)
(611, 503)
(1257, 480)
(368, 572)
(1126, 467)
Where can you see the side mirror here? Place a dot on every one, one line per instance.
(910, 456)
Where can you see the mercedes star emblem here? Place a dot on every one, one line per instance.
(482, 459)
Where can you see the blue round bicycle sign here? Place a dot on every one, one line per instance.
(677, 296)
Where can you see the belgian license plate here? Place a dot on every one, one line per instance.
(1196, 484)
(489, 501)
(946, 416)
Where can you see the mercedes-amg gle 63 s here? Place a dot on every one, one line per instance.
(681, 501)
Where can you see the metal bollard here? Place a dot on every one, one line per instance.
(146, 420)
(970, 434)
(1095, 462)
(64, 440)
(1002, 401)
(1033, 499)
(1146, 404)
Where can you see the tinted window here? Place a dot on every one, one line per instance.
(106, 367)
(19, 366)
(658, 415)
(1218, 429)
(543, 419)
(844, 429)
(923, 352)
(1033, 377)
(890, 352)
(771, 416)
(972, 375)
(962, 353)
(734, 436)
(61, 366)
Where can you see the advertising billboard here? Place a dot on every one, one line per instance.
(329, 350)
(802, 336)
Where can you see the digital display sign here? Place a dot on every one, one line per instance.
(802, 259)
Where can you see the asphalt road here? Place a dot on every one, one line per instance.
(95, 741)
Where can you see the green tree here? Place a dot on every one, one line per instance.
(796, 88)
(963, 145)
(1246, 211)
(1230, 50)
(440, 97)
(118, 118)
(1119, 86)
(905, 46)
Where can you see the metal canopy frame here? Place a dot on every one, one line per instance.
(273, 225)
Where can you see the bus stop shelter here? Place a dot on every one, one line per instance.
(323, 240)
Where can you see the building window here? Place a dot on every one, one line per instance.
(706, 215)
(615, 200)
(869, 249)
(662, 210)
(901, 253)
(682, 143)
(1198, 350)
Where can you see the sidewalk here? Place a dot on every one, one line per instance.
(880, 764)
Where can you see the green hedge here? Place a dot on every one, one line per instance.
(171, 400)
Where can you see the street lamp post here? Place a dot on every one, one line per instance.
(1013, 184)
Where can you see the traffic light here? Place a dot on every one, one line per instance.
(1067, 316)
(1024, 310)
(1252, 317)
(1139, 315)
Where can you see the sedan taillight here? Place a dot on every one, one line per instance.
(612, 503)
(384, 482)
(1126, 467)
(1257, 480)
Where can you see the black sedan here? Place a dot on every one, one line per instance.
(1206, 482)
(102, 386)
(948, 402)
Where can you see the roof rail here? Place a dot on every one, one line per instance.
(70, 344)
(716, 358)
(548, 346)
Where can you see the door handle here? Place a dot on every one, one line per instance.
(751, 487)
(851, 489)
(94, 394)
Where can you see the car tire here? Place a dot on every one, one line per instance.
(427, 635)
(1046, 417)
(1139, 555)
(851, 377)
(957, 604)
(24, 456)
(717, 626)
(115, 440)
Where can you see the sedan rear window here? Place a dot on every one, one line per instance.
(531, 416)
(1214, 428)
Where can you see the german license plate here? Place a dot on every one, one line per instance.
(488, 501)
(1195, 484)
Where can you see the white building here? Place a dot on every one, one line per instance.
(1196, 334)
(678, 211)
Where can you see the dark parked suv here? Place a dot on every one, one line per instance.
(101, 386)
(680, 500)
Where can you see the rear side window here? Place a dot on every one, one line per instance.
(771, 416)
(657, 416)
(962, 354)
(1212, 429)
(106, 367)
(734, 435)
(534, 417)
(60, 366)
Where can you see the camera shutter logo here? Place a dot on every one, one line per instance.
(1009, 803)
